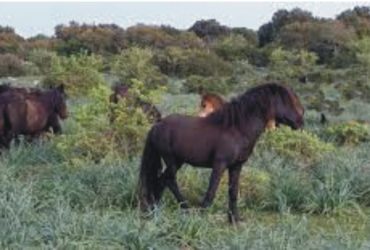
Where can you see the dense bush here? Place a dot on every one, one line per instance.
(196, 84)
(209, 29)
(42, 59)
(290, 64)
(100, 39)
(233, 47)
(11, 65)
(301, 146)
(10, 42)
(348, 133)
(161, 37)
(137, 63)
(93, 137)
(179, 62)
(79, 73)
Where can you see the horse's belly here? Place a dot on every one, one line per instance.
(198, 153)
(35, 119)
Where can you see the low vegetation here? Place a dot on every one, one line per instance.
(300, 189)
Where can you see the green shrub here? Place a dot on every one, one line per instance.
(348, 133)
(214, 84)
(186, 62)
(11, 65)
(79, 73)
(233, 47)
(289, 64)
(255, 187)
(299, 145)
(93, 137)
(137, 63)
(42, 59)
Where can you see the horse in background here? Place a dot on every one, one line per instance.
(221, 141)
(121, 91)
(30, 111)
(211, 102)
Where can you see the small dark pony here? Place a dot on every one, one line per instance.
(222, 140)
(30, 111)
(122, 91)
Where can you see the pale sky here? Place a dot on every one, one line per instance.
(30, 19)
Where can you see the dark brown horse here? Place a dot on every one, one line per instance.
(222, 140)
(30, 112)
(122, 91)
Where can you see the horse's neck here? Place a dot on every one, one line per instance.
(253, 127)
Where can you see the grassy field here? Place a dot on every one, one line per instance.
(48, 201)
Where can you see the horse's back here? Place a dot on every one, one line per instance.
(189, 139)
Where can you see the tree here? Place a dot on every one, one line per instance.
(10, 42)
(358, 18)
(269, 31)
(99, 39)
(209, 29)
(326, 38)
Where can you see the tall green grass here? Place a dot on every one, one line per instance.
(48, 203)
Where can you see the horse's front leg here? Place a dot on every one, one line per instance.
(234, 176)
(217, 172)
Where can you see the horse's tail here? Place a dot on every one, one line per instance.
(5, 126)
(149, 175)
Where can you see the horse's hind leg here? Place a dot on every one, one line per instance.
(168, 179)
(217, 172)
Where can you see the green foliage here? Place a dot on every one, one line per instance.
(11, 65)
(195, 83)
(103, 39)
(137, 63)
(255, 187)
(42, 59)
(358, 18)
(209, 29)
(79, 73)
(161, 37)
(301, 146)
(348, 133)
(328, 39)
(233, 47)
(289, 64)
(362, 50)
(10, 42)
(187, 62)
(94, 137)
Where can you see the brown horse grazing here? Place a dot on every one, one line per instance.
(30, 113)
(212, 102)
(122, 91)
(222, 140)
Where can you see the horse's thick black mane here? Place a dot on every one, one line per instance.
(254, 103)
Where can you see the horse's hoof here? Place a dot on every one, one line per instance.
(205, 204)
(234, 219)
(184, 205)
